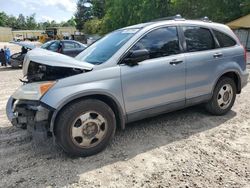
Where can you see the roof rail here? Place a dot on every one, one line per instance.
(205, 19)
(177, 17)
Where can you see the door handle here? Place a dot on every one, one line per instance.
(218, 55)
(175, 62)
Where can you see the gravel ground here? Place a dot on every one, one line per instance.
(248, 57)
(187, 148)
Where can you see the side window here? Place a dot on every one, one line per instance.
(198, 38)
(69, 45)
(224, 40)
(54, 46)
(160, 42)
(77, 45)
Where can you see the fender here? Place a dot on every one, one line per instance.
(225, 72)
(122, 115)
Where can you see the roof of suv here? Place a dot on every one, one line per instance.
(203, 23)
(181, 21)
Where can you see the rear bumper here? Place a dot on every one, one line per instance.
(28, 114)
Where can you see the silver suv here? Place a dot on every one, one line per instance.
(130, 74)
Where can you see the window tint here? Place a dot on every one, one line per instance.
(160, 42)
(54, 46)
(69, 45)
(77, 45)
(198, 39)
(47, 44)
(224, 40)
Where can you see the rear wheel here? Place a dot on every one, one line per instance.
(85, 127)
(223, 97)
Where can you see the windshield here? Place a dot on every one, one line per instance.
(46, 45)
(105, 48)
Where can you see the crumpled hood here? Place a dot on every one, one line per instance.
(53, 59)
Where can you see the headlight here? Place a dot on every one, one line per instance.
(32, 91)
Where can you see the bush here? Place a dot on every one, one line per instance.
(93, 26)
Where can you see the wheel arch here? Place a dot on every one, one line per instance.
(235, 76)
(104, 97)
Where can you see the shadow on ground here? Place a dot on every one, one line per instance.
(4, 69)
(139, 137)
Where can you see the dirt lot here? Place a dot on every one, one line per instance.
(187, 148)
(248, 57)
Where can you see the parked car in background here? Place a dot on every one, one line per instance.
(67, 47)
(93, 38)
(16, 60)
(130, 74)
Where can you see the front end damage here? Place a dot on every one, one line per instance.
(42, 70)
(30, 115)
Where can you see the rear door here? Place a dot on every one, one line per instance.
(202, 57)
(230, 50)
(70, 49)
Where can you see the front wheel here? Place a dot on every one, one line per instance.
(85, 127)
(223, 97)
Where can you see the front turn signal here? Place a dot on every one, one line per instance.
(45, 87)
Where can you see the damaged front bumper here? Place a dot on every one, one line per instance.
(27, 114)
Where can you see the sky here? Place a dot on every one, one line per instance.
(45, 10)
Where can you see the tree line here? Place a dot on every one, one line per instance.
(29, 22)
(104, 16)
(107, 15)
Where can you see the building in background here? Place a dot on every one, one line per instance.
(62, 31)
(21, 35)
(5, 34)
(241, 27)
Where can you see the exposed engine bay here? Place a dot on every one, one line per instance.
(43, 65)
(40, 72)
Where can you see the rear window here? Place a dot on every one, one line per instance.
(198, 38)
(224, 40)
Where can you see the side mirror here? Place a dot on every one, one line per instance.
(134, 57)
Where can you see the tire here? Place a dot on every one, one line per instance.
(219, 105)
(96, 122)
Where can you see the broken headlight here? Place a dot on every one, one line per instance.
(33, 91)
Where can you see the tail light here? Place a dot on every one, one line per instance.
(245, 50)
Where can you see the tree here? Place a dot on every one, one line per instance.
(70, 23)
(245, 6)
(107, 15)
(82, 14)
(119, 13)
(21, 22)
(31, 22)
(98, 8)
(11, 22)
(3, 19)
(219, 11)
(93, 26)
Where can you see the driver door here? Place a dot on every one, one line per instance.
(157, 84)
